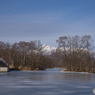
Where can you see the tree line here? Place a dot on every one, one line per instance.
(21, 56)
(75, 53)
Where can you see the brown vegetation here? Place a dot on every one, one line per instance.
(76, 54)
(21, 56)
(73, 53)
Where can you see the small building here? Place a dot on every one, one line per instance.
(4, 66)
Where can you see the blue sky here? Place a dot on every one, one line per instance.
(45, 20)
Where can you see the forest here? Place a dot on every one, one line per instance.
(21, 56)
(78, 53)
(73, 53)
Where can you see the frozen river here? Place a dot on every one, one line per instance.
(48, 82)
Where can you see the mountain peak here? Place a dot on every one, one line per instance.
(44, 46)
(47, 50)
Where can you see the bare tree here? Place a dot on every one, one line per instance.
(77, 55)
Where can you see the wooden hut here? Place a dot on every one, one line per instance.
(4, 66)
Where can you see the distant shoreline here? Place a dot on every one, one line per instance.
(77, 71)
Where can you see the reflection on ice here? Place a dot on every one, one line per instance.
(31, 87)
(83, 87)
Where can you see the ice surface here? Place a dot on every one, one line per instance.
(47, 82)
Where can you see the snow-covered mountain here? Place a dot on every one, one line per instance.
(46, 50)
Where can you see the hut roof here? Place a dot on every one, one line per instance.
(3, 64)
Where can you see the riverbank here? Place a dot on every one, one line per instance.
(25, 68)
(64, 70)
